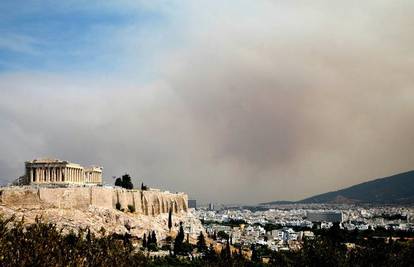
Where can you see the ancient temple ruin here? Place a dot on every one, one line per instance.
(59, 172)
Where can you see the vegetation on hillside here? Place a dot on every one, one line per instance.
(42, 244)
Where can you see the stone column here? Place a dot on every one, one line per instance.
(31, 174)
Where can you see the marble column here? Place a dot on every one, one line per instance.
(31, 175)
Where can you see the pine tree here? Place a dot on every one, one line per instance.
(201, 243)
(178, 242)
(255, 256)
(126, 181)
(154, 238)
(118, 182)
(144, 240)
(226, 251)
(149, 239)
(170, 219)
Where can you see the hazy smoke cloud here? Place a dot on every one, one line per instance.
(261, 101)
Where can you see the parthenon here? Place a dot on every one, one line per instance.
(53, 171)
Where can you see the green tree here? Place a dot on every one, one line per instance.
(131, 208)
(144, 241)
(154, 237)
(178, 242)
(170, 219)
(223, 235)
(124, 181)
(201, 243)
(118, 182)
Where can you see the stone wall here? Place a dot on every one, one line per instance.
(144, 202)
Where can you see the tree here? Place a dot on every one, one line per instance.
(124, 181)
(149, 240)
(152, 241)
(118, 182)
(255, 255)
(131, 208)
(201, 242)
(144, 241)
(223, 235)
(226, 251)
(178, 242)
(170, 219)
(154, 237)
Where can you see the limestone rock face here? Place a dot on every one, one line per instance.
(73, 208)
(149, 202)
(113, 221)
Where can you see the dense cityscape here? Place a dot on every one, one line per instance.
(284, 227)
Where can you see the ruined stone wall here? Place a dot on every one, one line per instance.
(144, 202)
(150, 202)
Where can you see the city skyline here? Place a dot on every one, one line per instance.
(235, 102)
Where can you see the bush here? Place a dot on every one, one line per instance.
(43, 244)
(131, 208)
(118, 206)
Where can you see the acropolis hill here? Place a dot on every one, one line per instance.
(61, 192)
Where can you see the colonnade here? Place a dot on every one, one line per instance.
(55, 174)
(93, 177)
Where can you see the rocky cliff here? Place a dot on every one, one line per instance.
(95, 208)
(151, 202)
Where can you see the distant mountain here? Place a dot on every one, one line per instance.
(396, 189)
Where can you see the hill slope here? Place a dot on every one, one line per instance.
(398, 188)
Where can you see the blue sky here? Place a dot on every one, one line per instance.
(75, 36)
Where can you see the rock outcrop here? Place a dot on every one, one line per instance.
(74, 208)
(150, 202)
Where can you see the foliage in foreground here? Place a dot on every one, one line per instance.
(43, 244)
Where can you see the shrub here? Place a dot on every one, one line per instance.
(118, 206)
(131, 208)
